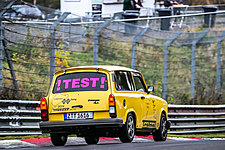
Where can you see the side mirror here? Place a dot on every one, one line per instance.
(151, 89)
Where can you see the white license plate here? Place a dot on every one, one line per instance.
(81, 115)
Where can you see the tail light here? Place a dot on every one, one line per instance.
(112, 106)
(44, 110)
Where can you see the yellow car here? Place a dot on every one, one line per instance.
(102, 101)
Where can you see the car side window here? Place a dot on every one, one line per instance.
(139, 83)
(123, 81)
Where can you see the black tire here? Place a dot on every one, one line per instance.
(161, 133)
(126, 133)
(91, 140)
(58, 139)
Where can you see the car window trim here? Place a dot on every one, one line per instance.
(135, 74)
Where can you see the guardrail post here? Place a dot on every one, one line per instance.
(52, 43)
(194, 43)
(218, 70)
(96, 41)
(1, 55)
(165, 63)
(134, 48)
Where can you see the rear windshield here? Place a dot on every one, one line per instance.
(86, 81)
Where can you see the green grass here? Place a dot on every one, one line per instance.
(207, 135)
(24, 137)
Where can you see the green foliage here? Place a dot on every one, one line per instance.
(114, 51)
(25, 137)
(29, 61)
(62, 56)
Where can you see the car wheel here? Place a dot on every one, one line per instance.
(91, 140)
(161, 133)
(126, 133)
(58, 139)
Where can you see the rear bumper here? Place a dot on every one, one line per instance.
(48, 126)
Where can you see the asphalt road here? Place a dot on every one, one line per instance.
(168, 145)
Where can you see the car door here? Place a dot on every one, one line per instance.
(147, 102)
(126, 98)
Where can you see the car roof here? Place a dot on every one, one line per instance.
(105, 67)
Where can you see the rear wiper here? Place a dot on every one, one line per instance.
(80, 106)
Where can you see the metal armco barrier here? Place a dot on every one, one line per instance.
(19, 118)
(195, 119)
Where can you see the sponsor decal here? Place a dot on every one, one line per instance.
(61, 109)
(95, 101)
(68, 100)
(80, 83)
(57, 99)
(148, 123)
(60, 106)
(154, 109)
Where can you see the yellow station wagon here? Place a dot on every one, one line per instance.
(102, 101)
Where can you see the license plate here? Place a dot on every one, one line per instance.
(81, 115)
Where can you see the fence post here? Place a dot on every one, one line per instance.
(96, 41)
(2, 39)
(218, 70)
(194, 43)
(134, 48)
(52, 43)
(9, 60)
(165, 63)
(1, 55)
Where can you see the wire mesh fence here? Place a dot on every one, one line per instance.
(185, 64)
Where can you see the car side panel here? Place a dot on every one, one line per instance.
(161, 105)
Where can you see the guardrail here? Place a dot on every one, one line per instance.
(195, 119)
(18, 117)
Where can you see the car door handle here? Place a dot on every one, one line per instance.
(142, 97)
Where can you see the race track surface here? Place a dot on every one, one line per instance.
(139, 143)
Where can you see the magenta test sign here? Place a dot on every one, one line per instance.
(88, 81)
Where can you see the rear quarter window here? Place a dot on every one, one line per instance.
(85, 81)
(123, 81)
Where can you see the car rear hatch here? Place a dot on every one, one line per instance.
(80, 91)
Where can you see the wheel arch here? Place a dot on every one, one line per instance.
(162, 111)
(134, 115)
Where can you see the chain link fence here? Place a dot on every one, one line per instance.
(185, 64)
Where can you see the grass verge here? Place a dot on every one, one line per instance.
(206, 135)
(24, 137)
